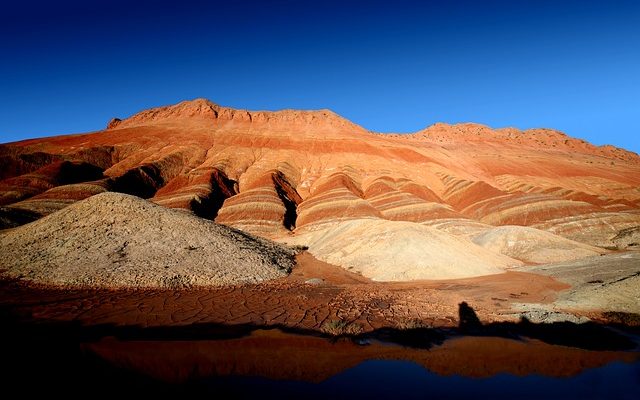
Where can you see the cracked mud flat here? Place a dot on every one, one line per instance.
(315, 293)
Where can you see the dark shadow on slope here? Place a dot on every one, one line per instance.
(77, 172)
(13, 163)
(56, 174)
(101, 156)
(143, 181)
(289, 197)
(13, 217)
(16, 160)
(221, 189)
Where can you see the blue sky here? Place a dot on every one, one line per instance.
(390, 66)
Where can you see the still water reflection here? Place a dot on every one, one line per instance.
(407, 380)
(273, 364)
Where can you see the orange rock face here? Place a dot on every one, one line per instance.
(277, 173)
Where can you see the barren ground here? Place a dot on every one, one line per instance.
(315, 293)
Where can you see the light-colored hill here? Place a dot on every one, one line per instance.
(401, 251)
(601, 283)
(533, 245)
(116, 240)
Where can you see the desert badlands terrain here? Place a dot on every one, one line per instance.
(195, 213)
(199, 246)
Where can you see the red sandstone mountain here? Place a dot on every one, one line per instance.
(298, 175)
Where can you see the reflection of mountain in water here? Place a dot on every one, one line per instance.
(392, 379)
(276, 355)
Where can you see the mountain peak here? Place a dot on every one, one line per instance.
(540, 138)
(204, 109)
(186, 109)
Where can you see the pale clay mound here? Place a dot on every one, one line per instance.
(401, 251)
(610, 282)
(116, 240)
(533, 245)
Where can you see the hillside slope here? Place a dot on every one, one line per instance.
(284, 174)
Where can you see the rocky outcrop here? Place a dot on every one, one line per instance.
(114, 123)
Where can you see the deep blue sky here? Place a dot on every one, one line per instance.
(387, 65)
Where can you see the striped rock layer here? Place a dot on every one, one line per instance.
(277, 174)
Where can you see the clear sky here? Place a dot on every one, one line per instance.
(390, 66)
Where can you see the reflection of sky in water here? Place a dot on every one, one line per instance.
(403, 379)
